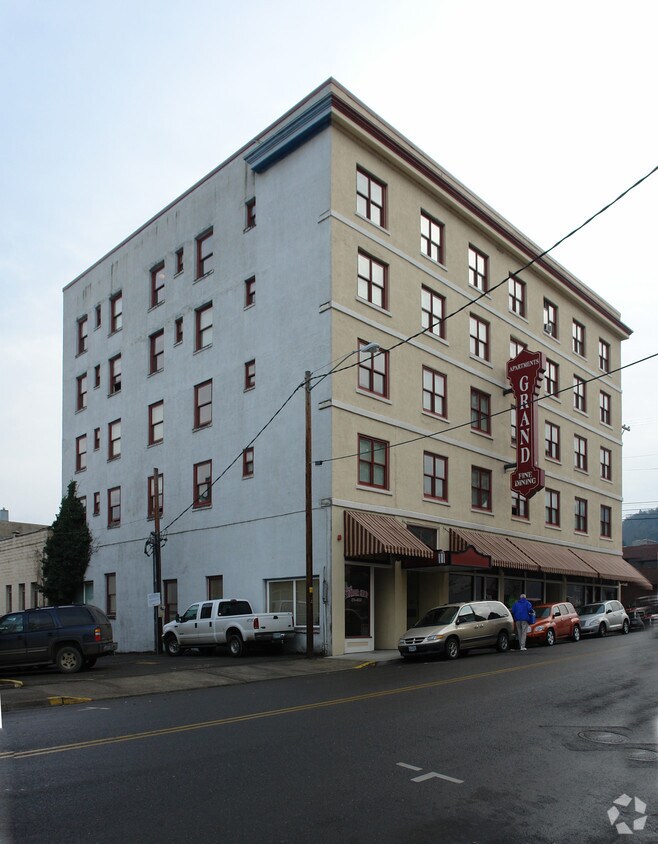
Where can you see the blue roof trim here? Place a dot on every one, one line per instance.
(316, 118)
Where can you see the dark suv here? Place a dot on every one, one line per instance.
(71, 637)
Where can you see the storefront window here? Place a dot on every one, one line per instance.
(486, 588)
(608, 593)
(512, 589)
(534, 590)
(357, 601)
(460, 588)
(576, 594)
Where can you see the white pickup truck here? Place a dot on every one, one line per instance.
(225, 622)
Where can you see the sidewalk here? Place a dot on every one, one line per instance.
(125, 675)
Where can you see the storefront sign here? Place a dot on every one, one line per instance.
(526, 373)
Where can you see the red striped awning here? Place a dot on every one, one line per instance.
(374, 536)
(502, 552)
(613, 567)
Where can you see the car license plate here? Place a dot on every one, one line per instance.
(277, 635)
(412, 648)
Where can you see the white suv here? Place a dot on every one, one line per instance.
(602, 618)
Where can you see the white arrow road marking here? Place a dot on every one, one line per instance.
(429, 776)
(434, 774)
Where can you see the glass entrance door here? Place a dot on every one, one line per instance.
(359, 621)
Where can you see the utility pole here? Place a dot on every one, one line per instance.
(309, 517)
(157, 566)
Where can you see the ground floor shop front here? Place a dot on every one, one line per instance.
(390, 579)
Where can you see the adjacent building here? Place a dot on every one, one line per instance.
(21, 547)
(330, 244)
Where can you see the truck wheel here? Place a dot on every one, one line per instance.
(69, 659)
(235, 644)
(172, 646)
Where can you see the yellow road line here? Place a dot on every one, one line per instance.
(271, 713)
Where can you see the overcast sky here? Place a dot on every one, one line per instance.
(112, 109)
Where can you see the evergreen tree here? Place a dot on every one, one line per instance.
(67, 551)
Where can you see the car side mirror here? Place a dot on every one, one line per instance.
(177, 617)
(608, 610)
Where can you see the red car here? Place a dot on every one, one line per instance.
(553, 622)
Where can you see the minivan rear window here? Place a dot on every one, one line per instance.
(74, 616)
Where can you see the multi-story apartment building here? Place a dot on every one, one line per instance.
(325, 234)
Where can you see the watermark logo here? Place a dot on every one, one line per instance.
(639, 810)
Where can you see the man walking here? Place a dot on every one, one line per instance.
(523, 615)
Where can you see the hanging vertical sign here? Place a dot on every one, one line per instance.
(526, 373)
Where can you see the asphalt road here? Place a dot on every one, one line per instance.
(520, 747)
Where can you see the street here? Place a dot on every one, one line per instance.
(518, 747)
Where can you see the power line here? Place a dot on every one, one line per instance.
(526, 266)
(468, 304)
(485, 416)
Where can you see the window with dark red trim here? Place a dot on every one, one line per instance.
(114, 506)
(370, 198)
(550, 319)
(435, 397)
(81, 392)
(250, 291)
(552, 440)
(372, 280)
(373, 371)
(480, 488)
(116, 312)
(520, 506)
(480, 411)
(204, 253)
(605, 414)
(157, 284)
(203, 335)
(606, 463)
(580, 515)
(179, 260)
(156, 422)
(479, 338)
(579, 394)
(203, 404)
(517, 292)
(578, 338)
(114, 440)
(432, 312)
(83, 334)
(81, 453)
(151, 495)
(156, 351)
(552, 378)
(250, 213)
(250, 375)
(604, 356)
(248, 462)
(606, 521)
(580, 452)
(552, 499)
(203, 484)
(435, 476)
(111, 595)
(431, 237)
(478, 269)
(115, 374)
(373, 462)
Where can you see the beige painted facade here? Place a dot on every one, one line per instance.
(414, 184)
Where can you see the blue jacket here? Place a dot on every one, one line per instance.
(523, 611)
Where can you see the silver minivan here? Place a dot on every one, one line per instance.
(602, 618)
(452, 628)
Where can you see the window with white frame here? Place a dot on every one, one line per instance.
(290, 596)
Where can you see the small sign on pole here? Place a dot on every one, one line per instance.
(154, 599)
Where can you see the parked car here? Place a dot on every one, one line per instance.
(602, 618)
(453, 628)
(553, 622)
(71, 637)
